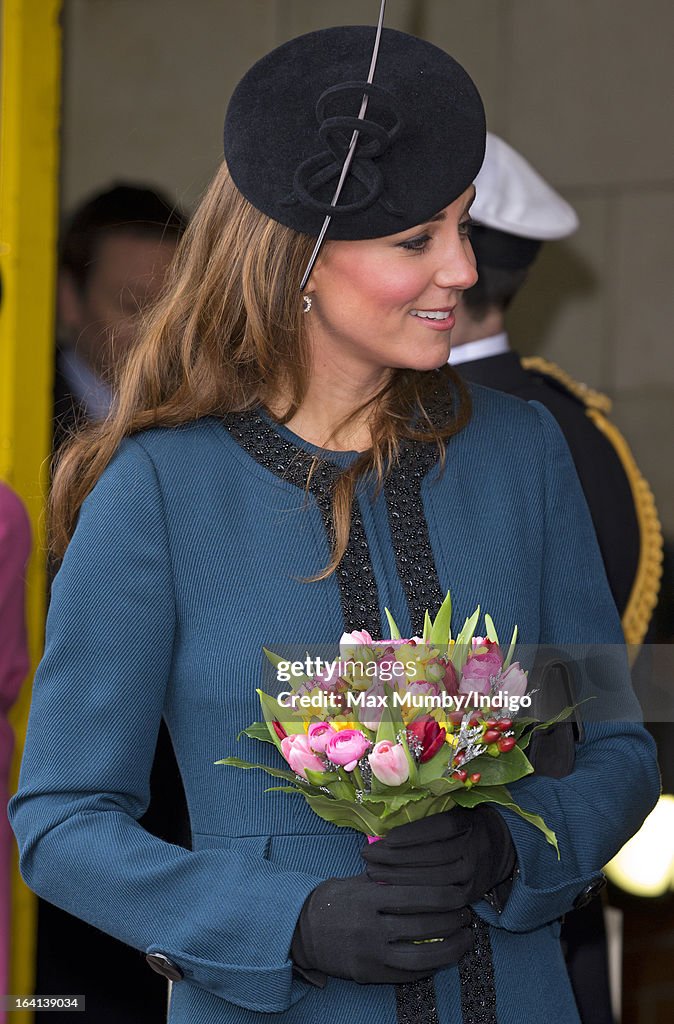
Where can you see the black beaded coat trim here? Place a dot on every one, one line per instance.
(409, 531)
(415, 1001)
(357, 585)
(476, 973)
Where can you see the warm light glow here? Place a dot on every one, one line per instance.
(645, 865)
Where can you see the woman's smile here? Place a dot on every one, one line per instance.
(436, 319)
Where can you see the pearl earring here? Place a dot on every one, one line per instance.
(306, 299)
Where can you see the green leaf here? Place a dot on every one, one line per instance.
(500, 795)
(276, 660)
(428, 626)
(411, 763)
(395, 632)
(284, 789)
(416, 810)
(345, 813)
(377, 819)
(491, 629)
(278, 773)
(393, 801)
(434, 768)
(462, 648)
(389, 724)
(511, 650)
(468, 632)
(258, 731)
(496, 771)
(441, 630)
(273, 712)
(527, 737)
(443, 785)
(521, 724)
(331, 780)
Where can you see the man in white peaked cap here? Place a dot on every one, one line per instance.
(514, 212)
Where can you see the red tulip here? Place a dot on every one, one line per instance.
(279, 730)
(428, 735)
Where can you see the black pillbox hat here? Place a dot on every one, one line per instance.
(292, 116)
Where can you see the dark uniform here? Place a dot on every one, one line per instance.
(630, 540)
(516, 211)
(619, 499)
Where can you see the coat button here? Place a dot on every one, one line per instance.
(162, 965)
(589, 892)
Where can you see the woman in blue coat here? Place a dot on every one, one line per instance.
(282, 466)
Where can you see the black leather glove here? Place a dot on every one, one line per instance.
(353, 928)
(469, 850)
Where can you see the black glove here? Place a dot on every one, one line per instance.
(469, 850)
(353, 928)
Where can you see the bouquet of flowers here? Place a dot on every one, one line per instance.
(395, 730)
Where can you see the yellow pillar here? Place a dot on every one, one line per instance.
(31, 58)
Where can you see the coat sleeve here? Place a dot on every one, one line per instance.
(615, 781)
(15, 544)
(96, 709)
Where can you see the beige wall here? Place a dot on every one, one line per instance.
(581, 87)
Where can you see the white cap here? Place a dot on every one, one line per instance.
(513, 197)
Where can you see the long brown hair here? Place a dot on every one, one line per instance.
(227, 335)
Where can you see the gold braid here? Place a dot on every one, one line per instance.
(646, 585)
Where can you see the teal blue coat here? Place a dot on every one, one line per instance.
(188, 557)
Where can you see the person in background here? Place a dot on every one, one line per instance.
(114, 254)
(514, 212)
(15, 543)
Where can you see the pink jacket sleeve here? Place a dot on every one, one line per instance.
(14, 552)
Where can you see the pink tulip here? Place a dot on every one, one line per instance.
(480, 669)
(370, 714)
(328, 678)
(358, 638)
(389, 763)
(346, 747)
(319, 734)
(514, 680)
(422, 688)
(299, 755)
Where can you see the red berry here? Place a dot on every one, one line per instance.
(491, 723)
(491, 736)
(461, 774)
(475, 720)
(475, 778)
(505, 724)
(506, 744)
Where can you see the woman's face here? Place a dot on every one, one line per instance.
(388, 302)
